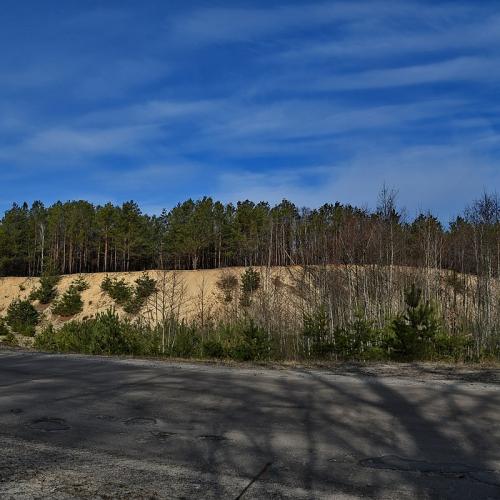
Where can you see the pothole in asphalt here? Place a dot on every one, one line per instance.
(107, 418)
(212, 437)
(393, 462)
(49, 424)
(162, 435)
(140, 421)
(16, 411)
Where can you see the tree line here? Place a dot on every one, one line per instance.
(78, 237)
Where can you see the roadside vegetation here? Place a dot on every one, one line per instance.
(22, 317)
(338, 282)
(246, 327)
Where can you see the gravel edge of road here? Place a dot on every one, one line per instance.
(488, 373)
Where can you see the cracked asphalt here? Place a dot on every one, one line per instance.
(94, 427)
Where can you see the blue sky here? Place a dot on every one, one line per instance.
(313, 101)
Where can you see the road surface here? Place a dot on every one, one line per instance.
(90, 427)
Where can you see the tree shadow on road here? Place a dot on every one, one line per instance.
(205, 432)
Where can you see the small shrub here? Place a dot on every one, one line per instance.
(375, 354)
(120, 291)
(452, 347)
(46, 340)
(187, 342)
(104, 334)
(213, 349)
(227, 285)
(134, 305)
(80, 284)
(107, 284)
(250, 282)
(3, 328)
(69, 304)
(253, 345)
(130, 298)
(316, 333)
(416, 329)
(22, 317)
(145, 286)
(46, 291)
(360, 340)
(8, 337)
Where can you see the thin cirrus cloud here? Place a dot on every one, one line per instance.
(436, 178)
(293, 119)
(58, 145)
(116, 79)
(480, 69)
(223, 24)
(379, 42)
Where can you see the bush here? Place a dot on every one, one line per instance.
(213, 349)
(120, 291)
(416, 329)
(46, 291)
(3, 328)
(80, 284)
(131, 299)
(227, 285)
(250, 282)
(104, 334)
(374, 354)
(360, 340)
(46, 340)
(253, 344)
(453, 347)
(316, 333)
(134, 305)
(8, 337)
(69, 304)
(22, 317)
(187, 342)
(144, 286)
(107, 284)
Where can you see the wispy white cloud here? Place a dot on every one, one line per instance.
(224, 24)
(233, 24)
(60, 145)
(483, 69)
(458, 70)
(149, 177)
(381, 41)
(289, 119)
(151, 112)
(441, 178)
(115, 78)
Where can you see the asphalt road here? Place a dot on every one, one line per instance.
(87, 427)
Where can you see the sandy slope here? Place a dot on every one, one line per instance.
(96, 301)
